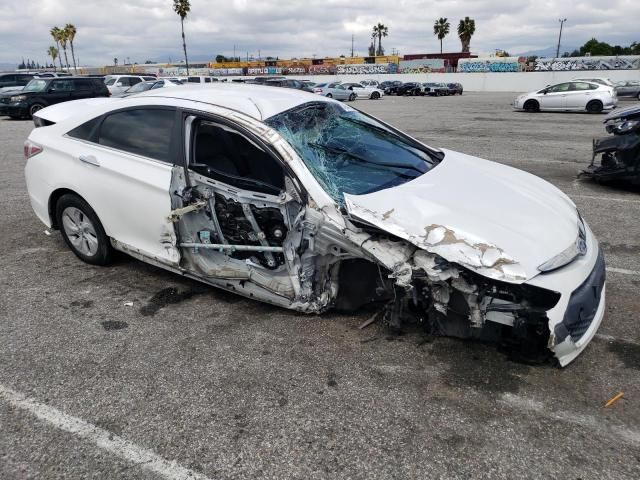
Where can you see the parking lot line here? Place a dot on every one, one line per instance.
(603, 198)
(101, 438)
(623, 271)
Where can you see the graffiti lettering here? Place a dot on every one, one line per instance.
(627, 62)
(366, 68)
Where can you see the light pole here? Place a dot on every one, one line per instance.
(561, 20)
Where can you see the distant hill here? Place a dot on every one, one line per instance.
(8, 67)
(548, 52)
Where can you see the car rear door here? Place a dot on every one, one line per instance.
(125, 161)
(82, 88)
(578, 95)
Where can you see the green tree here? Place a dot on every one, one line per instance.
(53, 52)
(70, 32)
(182, 8)
(466, 29)
(56, 33)
(380, 30)
(441, 29)
(596, 48)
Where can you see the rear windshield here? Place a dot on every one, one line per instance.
(349, 152)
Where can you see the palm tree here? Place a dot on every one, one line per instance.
(53, 53)
(466, 29)
(70, 31)
(56, 33)
(182, 8)
(441, 29)
(380, 31)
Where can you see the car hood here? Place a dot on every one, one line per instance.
(495, 220)
(631, 111)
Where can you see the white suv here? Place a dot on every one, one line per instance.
(117, 84)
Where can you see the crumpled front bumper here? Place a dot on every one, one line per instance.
(576, 317)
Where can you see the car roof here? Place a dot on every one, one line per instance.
(257, 101)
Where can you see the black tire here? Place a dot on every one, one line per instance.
(353, 97)
(96, 239)
(531, 106)
(375, 96)
(34, 108)
(328, 95)
(638, 97)
(595, 106)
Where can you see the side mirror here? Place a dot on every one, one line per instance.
(119, 84)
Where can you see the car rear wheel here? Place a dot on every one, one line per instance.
(375, 96)
(531, 106)
(34, 108)
(352, 97)
(329, 95)
(638, 97)
(82, 231)
(594, 106)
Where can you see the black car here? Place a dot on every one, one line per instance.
(42, 92)
(13, 81)
(435, 89)
(410, 88)
(454, 88)
(288, 83)
(390, 87)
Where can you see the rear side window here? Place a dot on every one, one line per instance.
(62, 85)
(83, 84)
(193, 80)
(134, 80)
(144, 131)
(86, 131)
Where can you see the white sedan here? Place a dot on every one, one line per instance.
(364, 91)
(306, 203)
(573, 96)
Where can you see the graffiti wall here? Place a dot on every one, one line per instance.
(366, 68)
(264, 71)
(424, 65)
(226, 71)
(492, 64)
(626, 62)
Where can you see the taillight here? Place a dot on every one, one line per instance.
(31, 149)
(317, 90)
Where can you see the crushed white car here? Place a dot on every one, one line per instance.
(306, 203)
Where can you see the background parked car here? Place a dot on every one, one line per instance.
(290, 83)
(363, 91)
(601, 81)
(435, 89)
(335, 90)
(150, 85)
(576, 96)
(42, 92)
(390, 87)
(455, 88)
(14, 81)
(410, 88)
(630, 88)
(119, 83)
(200, 79)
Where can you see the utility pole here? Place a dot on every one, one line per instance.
(352, 45)
(234, 52)
(561, 20)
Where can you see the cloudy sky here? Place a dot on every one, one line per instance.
(149, 29)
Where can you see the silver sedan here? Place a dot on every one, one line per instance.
(335, 90)
(574, 96)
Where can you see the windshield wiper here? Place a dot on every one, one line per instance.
(341, 151)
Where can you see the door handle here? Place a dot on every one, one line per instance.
(90, 159)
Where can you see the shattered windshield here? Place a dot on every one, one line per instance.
(349, 152)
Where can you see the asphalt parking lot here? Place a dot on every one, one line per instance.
(132, 372)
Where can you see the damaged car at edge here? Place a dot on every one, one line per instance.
(619, 152)
(309, 204)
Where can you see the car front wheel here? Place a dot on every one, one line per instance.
(531, 106)
(329, 95)
(82, 231)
